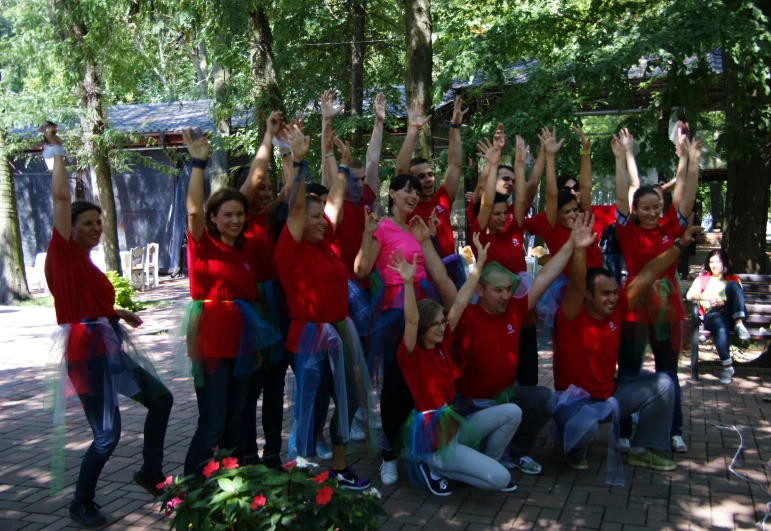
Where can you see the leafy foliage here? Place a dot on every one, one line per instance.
(124, 292)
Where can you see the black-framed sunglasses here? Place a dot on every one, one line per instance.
(575, 187)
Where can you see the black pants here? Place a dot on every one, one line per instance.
(270, 384)
(221, 404)
(527, 369)
(396, 401)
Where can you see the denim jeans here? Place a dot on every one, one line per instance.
(221, 403)
(153, 395)
(537, 405)
(270, 384)
(721, 320)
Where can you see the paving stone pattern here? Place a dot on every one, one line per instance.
(700, 494)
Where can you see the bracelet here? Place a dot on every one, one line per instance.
(296, 164)
(199, 163)
(678, 244)
(342, 166)
(330, 154)
(285, 153)
(584, 151)
(298, 178)
(49, 150)
(454, 126)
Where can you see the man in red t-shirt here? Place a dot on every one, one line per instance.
(432, 198)
(587, 336)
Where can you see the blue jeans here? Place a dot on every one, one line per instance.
(721, 320)
(221, 403)
(153, 395)
(615, 264)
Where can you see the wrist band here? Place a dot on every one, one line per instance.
(285, 153)
(454, 126)
(280, 144)
(296, 164)
(199, 163)
(343, 166)
(678, 244)
(330, 154)
(50, 150)
(584, 152)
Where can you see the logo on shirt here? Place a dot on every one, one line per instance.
(246, 266)
(439, 208)
(441, 353)
(510, 329)
(665, 239)
(612, 325)
(514, 242)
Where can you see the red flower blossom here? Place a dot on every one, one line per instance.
(210, 468)
(229, 462)
(171, 504)
(289, 465)
(323, 496)
(259, 501)
(161, 486)
(321, 478)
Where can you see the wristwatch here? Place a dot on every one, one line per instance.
(678, 244)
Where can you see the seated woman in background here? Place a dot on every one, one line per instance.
(721, 305)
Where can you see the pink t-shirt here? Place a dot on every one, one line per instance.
(390, 237)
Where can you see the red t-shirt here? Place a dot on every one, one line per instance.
(350, 230)
(219, 274)
(557, 236)
(80, 289)
(261, 247)
(487, 349)
(443, 204)
(586, 350)
(430, 374)
(315, 281)
(505, 247)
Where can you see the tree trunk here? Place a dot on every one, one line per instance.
(358, 19)
(716, 199)
(419, 65)
(199, 59)
(13, 281)
(218, 175)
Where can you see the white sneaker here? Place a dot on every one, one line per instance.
(323, 450)
(357, 434)
(389, 473)
(678, 444)
(623, 445)
(373, 421)
(727, 374)
(742, 332)
(702, 338)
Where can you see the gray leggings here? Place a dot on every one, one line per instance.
(496, 425)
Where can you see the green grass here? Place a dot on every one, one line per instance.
(39, 302)
(151, 305)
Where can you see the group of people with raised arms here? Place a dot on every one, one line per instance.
(313, 280)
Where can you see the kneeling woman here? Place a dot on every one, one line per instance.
(98, 358)
(437, 441)
(327, 353)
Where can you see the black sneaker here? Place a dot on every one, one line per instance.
(86, 514)
(149, 482)
(438, 487)
(273, 461)
(252, 460)
(511, 487)
(348, 480)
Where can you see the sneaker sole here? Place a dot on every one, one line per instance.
(509, 490)
(662, 468)
(354, 487)
(528, 472)
(85, 524)
(428, 484)
(145, 485)
(577, 466)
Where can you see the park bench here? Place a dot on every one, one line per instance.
(757, 299)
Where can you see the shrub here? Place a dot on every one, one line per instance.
(229, 497)
(124, 293)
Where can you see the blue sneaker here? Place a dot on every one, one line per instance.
(438, 487)
(348, 480)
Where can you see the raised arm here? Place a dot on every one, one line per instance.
(259, 169)
(328, 112)
(552, 147)
(296, 220)
(535, 177)
(468, 287)
(656, 268)
(454, 151)
(585, 172)
(499, 135)
(415, 121)
(492, 152)
(681, 148)
(199, 153)
(433, 262)
(520, 195)
(627, 140)
(334, 206)
(411, 315)
(370, 247)
(60, 185)
(375, 145)
(623, 197)
(685, 206)
(582, 237)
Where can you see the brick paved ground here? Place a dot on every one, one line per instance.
(700, 494)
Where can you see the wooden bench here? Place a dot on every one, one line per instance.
(757, 299)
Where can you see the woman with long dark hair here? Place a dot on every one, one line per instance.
(721, 305)
(98, 358)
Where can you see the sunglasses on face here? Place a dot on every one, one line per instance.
(575, 188)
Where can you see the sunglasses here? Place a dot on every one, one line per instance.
(575, 188)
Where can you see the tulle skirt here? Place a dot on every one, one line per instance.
(271, 306)
(457, 269)
(76, 348)
(336, 345)
(661, 307)
(587, 412)
(549, 303)
(435, 432)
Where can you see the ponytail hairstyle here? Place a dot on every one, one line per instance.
(212, 208)
(641, 192)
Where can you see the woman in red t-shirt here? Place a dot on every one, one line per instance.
(98, 356)
(328, 359)
(224, 330)
(643, 236)
(437, 441)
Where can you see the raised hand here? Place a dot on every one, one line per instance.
(415, 115)
(520, 151)
(499, 138)
(586, 143)
(489, 150)
(328, 108)
(371, 222)
(420, 230)
(687, 238)
(198, 148)
(582, 234)
(345, 151)
(50, 136)
(433, 223)
(694, 148)
(299, 143)
(457, 113)
(550, 142)
(627, 139)
(405, 269)
(379, 107)
(275, 123)
(619, 151)
(481, 251)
